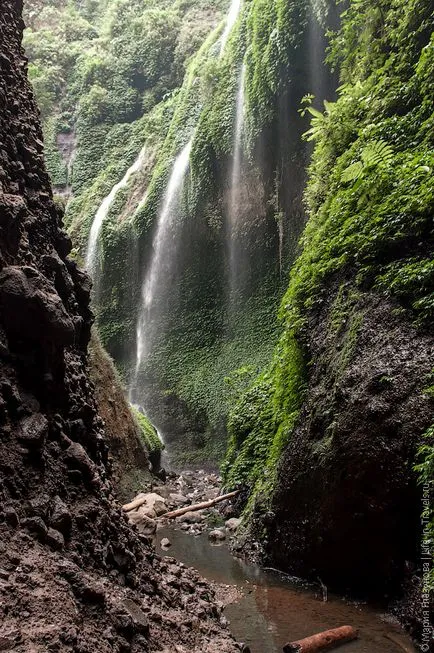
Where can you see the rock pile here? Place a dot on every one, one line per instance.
(190, 488)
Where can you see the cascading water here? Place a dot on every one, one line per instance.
(231, 19)
(101, 214)
(164, 253)
(165, 243)
(234, 199)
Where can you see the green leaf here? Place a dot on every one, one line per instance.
(353, 172)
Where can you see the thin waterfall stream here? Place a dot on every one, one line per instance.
(231, 19)
(165, 243)
(234, 198)
(101, 214)
(164, 251)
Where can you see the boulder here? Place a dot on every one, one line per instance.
(165, 543)
(55, 539)
(145, 524)
(190, 518)
(60, 517)
(33, 430)
(217, 535)
(232, 524)
(77, 458)
(160, 508)
(178, 499)
(28, 299)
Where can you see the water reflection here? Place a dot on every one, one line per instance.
(273, 611)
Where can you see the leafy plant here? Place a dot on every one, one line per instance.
(320, 122)
(373, 154)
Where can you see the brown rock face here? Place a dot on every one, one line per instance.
(347, 505)
(74, 575)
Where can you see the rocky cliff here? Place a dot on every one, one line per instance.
(73, 575)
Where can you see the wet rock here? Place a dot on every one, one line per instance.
(211, 494)
(160, 508)
(37, 526)
(39, 506)
(11, 517)
(165, 543)
(55, 539)
(77, 457)
(190, 518)
(139, 618)
(217, 535)
(178, 499)
(28, 298)
(145, 524)
(162, 490)
(232, 524)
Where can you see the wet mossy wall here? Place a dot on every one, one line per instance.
(368, 240)
(205, 335)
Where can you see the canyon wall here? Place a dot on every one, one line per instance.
(74, 575)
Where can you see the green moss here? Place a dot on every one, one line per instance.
(148, 432)
(370, 201)
(262, 420)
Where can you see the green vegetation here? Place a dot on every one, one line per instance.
(148, 432)
(370, 201)
(262, 419)
(113, 77)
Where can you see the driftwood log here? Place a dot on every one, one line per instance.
(134, 504)
(200, 506)
(324, 641)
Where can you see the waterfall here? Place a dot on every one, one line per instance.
(101, 214)
(234, 199)
(164, 249)
(231, 19)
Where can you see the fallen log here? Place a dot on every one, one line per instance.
(324, 641)
(200, 506)
(134, 504)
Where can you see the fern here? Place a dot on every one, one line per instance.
(353, 172)
(376, 153)
(373, 154)
(319, 121)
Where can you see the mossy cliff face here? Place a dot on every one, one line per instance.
(345, 404)
(129, 451)
(75, 576)
(208, 328)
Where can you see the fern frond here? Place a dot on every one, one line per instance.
(376, 153)
(353, 172)
(315, 113)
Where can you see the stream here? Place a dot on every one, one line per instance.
(274, 611)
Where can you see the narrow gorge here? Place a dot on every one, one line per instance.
(216, 277)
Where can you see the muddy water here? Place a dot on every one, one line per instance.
(273, 610)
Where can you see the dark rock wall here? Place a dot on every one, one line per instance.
(347, 505)
(73, 575)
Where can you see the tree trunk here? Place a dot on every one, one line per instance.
(200, 506)
(325, 641)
